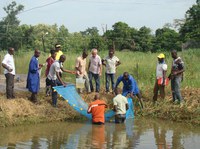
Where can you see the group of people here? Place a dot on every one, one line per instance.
(176, 77)
(54, 70)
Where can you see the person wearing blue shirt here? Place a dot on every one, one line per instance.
(129, 86)
(33, 79)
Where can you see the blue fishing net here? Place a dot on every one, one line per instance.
(70, 94)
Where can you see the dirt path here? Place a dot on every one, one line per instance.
(20, 83)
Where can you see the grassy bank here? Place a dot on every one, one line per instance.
(140, 65)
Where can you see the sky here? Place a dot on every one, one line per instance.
(78, 15)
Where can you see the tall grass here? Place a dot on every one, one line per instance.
(141, 65)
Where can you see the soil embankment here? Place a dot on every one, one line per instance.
(22, 111)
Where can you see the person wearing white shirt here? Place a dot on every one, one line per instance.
(161, 79)
(95, 70)
(111, 62)
(120, 104)
(9, 66)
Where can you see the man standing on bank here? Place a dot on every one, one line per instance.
(33, 79)
(161, 70)
(176, 76)
(81, 70)
(9, 66)
(95, 70)
(54, 77)
(111, 62)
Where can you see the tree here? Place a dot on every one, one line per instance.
(143, 39)
(166, 39)
(190, 30)
(9, 26)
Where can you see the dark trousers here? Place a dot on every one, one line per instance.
(108, 78)
(120, 118)
(157, 88)
(54, 94)
(98, 123)
(96, 79)
(9, 85)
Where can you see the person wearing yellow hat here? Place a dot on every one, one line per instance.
(58, 51)
(160, 82)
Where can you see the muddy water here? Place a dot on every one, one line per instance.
(138, 134)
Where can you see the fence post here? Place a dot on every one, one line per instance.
(137, 72)
(0, 66)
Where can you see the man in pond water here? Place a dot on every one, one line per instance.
(130, 86)
(120, 106)
(97, 109)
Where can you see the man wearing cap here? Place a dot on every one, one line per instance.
(9, 66)
(160, 82)
(58, 51)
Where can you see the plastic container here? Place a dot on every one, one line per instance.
(80, 83)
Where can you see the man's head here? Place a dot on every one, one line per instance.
(117, 91)
(94, 52)
(53, 54)
(111, 53)
(37, 53)
(57, 47)
(11, 50)
(174, 54)
(62, 58)
(84, 54)
(125, 75)
(161, 57)
(96, 96)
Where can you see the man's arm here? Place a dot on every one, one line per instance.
(68, 71)
(104, 62)
(77, 66)
(118, 81)
(7, 67)
(100, 69)
(59, 78)
(89, 65)
(118, 63)
(164, 76)
(127, 107)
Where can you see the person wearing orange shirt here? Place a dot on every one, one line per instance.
(97, 109)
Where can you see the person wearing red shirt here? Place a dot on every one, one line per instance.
(50, 60)
(97, 109)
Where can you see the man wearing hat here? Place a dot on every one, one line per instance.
(58, 51)
(160, 82)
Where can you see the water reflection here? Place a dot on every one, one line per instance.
(140, 134)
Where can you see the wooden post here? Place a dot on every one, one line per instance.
(137, 72)
(0, 66)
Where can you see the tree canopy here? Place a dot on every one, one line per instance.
(121, 36)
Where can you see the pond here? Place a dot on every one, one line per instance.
(138, 134)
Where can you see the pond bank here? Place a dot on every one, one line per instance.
(21, 111)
